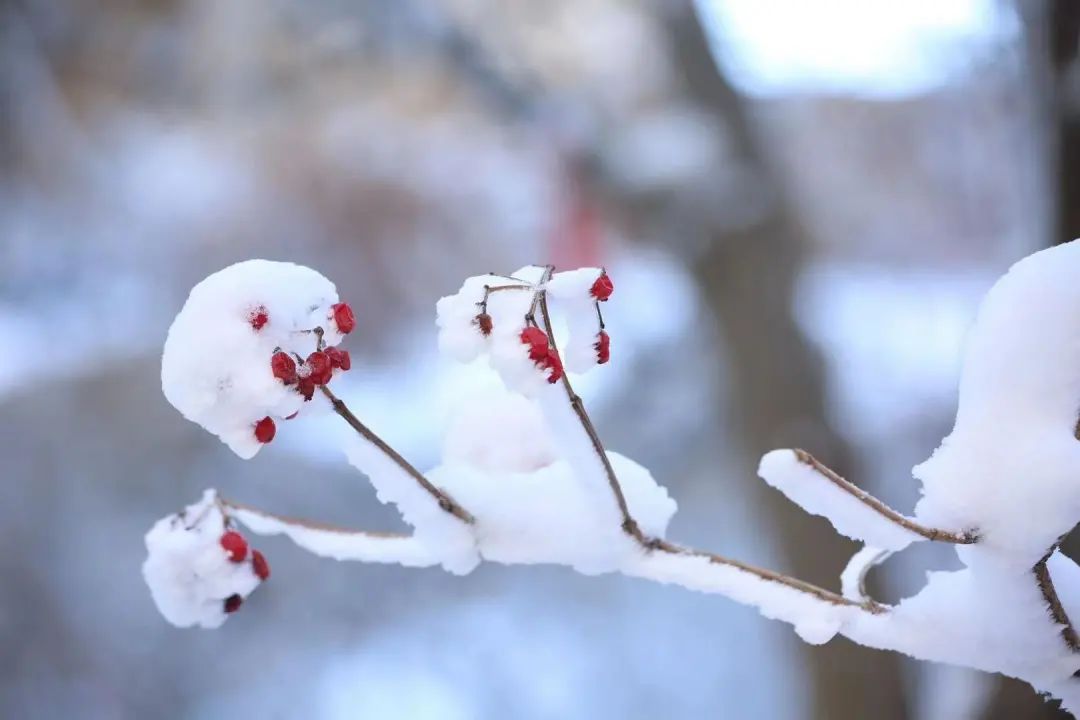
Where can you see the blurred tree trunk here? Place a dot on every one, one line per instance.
(1063, 32)
(1050, 36)
(749, 276)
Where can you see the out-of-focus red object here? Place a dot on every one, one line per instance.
(578, 237)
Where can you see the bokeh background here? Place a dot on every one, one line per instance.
(800, 204)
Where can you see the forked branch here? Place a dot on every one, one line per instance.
(630, 525)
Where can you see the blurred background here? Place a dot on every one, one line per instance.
(800, 205)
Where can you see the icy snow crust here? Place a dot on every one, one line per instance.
(215, 368)
(522, 464)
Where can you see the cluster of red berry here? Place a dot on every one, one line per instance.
(237, 548)
(541, 352)
(316, 370)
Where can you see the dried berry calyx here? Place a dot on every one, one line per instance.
(339, 358)
(483, 321)
(235, 544)
(602, 288)
(603, 348)
(233, 603)
(258, 317)
(265, 430)
(283, 367)
(343, 317)
(319, 368)
(259, 565)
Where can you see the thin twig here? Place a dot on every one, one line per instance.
(935, 534)
(303, 523)
(446, 502)
(630, 525)
(1057, 610)
(828, 596)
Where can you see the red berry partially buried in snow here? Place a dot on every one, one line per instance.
(235, 544)
(233, 603)
(259, 565)
(553, 363)
(258, 317)
(319, 368)
(306, 387)
(537, 341)
(283, 367)
(265, 430)
(339, 358)
(603, 348)
(602, 288)
(343, 318)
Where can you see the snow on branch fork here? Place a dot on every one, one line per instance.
(537, 485)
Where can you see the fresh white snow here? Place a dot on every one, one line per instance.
(520, 460)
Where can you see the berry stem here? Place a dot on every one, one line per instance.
(446, 502)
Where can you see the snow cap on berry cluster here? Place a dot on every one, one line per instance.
(490, 314)
(196, 576)
(216, 367)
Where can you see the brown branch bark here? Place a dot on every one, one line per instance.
(935, 534)
(1057, 610)
(446, 502)
(630, 525)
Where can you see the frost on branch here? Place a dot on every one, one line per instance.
(525, 478)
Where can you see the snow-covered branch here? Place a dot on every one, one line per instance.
(525, 477)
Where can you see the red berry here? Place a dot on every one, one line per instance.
(537, 341)
(306, 387)
(553, 363)
(343, 318)
(603, 348)
(233, 603)
(319, 368)
(339, 358)
(234, 544)
(259, 565)
(283, 367)
(258, 317)
(602, 288)
(483, 320)
(265, 430)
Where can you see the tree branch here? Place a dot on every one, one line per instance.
(958, 538)
(444, 500)
(332, 541)
(1057, 610)
(651, 545)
